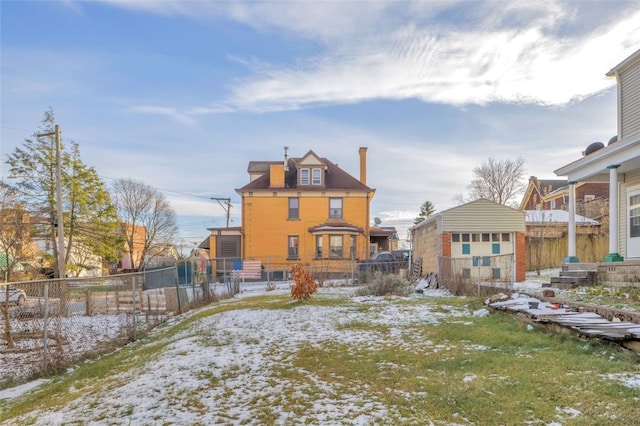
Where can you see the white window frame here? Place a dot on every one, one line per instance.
(305, 176)
(335, 212)
(336, 251)
(316, 176)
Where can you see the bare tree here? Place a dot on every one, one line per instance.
(148, 219)
(500, 181)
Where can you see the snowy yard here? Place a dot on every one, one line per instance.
(227, 367)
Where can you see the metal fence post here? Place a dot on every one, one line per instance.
(178, 291)
(45, 328)
(133, 307)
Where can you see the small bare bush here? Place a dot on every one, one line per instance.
(386, 285)
(304, 284)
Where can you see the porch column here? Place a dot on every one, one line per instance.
(571, 257)
(613, 255)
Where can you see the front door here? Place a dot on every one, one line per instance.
(633, 224)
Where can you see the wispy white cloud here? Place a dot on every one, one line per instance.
(451, 52)
(525, 65)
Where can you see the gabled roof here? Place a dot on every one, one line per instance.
(541, 187)
(334, 178)
(472, 208)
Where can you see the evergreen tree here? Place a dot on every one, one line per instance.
(89, 217)
(426, 210)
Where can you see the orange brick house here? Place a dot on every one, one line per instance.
(305, 210)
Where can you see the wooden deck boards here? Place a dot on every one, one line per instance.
(586, 324)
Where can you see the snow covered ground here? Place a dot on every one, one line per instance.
(245, 346)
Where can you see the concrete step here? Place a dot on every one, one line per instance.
(590, 276)
(567, 282)
(573, 278)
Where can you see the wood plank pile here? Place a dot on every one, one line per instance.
(573, 318)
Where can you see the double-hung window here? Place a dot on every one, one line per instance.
(335, 208)
(352, 247)
(316, 176)
(294, 208)
(304, 177)
(319, 246)
(335, 246)
(293, 247)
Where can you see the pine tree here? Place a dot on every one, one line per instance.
(426, 210)
(89, 217)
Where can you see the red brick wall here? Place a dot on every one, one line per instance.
(521, 257)
(446, 244)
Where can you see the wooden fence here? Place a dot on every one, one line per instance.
(115, 302)
(546, 253)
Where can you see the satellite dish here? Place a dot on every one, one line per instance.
(377, 220)
(593, 148)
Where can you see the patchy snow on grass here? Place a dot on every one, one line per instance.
(627, 379)
(229, 360)
(227, 368)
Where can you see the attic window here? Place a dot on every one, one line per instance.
(304, 176)
(316, 176)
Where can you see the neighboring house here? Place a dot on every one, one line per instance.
(537, 190)
(303, 210)
(479, 237)
(552, 194)
(159, 255)
(383, 238)
(18, 250)
(82, 262)
(224, 248)
(618, 163)
(138, 235)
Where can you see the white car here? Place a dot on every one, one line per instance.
(16, 296)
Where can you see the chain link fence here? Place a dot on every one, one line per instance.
(476, 275)
(278, 268)
(47, 325)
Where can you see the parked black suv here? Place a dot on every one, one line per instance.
(388, 262)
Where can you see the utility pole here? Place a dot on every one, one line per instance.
(226, 206)
(60, 228)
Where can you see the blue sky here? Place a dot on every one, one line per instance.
(183, 94)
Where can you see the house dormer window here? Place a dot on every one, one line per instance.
(311, 176)
(304, 177)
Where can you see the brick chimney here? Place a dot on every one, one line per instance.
(276, 175)
(363, 165)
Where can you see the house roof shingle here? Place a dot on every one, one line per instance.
(335, 177)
